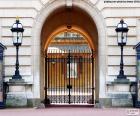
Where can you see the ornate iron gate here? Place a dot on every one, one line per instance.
(69, 77)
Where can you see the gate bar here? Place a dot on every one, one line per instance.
(46, 81)
(92, 77)
(69, 75)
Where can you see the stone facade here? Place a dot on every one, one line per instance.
(106, 16)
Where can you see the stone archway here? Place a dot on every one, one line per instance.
(95, 17)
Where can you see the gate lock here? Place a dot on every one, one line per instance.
(69, 86)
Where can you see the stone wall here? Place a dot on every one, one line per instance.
(28, 11)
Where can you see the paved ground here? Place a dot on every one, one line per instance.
(69, 111)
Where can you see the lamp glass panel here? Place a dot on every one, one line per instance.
(20, 36)
(15, 40)
(119, 25)
(14, 25)
(20, 25)
(119, 35)
(124, 37)
(124, 25)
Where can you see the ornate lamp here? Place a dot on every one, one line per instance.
(17, 35)
(121, 30)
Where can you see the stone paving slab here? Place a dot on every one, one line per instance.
(70, 111)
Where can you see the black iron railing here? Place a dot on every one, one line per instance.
(69, 77)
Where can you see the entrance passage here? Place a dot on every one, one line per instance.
(69, 76)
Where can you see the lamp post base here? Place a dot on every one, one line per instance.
(121, 81)
(17, 77)
(16, 80)
(121, 77)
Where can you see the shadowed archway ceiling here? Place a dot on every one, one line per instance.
(75, 17)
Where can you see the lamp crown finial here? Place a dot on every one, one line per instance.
(17, 18)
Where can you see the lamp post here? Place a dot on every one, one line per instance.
(17, 35)
(121, 30)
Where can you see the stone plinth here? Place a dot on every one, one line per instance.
(121, 99)
(16, 96)
(122, 96)
(121, 85)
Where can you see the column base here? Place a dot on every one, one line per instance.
(121, 85)
(121, 95)
(121, 99)
(16, 97)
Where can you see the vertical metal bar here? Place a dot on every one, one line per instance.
(75, 76)
(56, 61)
(51, 77)
(84, 77)
(57, 70)
(59, 77)
(71, 78)
(63, 64)
(69, 74)
(46, 73)
(66, 61)
(61, 81)
(79, 78)
(87, 62)
(86, 74)
(89, 81)
(59, 74)
(92, 78)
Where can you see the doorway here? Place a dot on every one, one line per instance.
(69, 70)
(81, 24)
